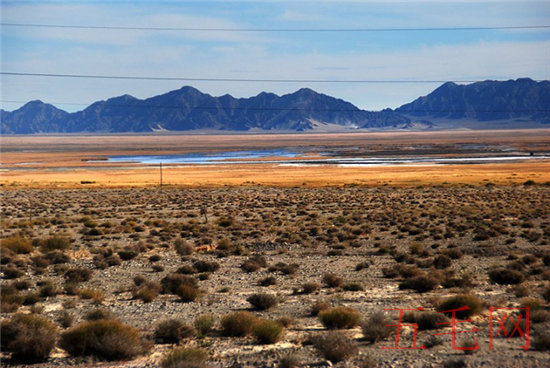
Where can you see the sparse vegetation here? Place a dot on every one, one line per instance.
(339, 317)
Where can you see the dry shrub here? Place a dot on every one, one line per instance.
(339, 317)
(28, 337)
(268, 281)
(57, 257)
(318, 307)
(12, 272)
(173, 281)
(127, 254)
(459, 301)
(426, 320)
(55, 242)
(353, 286)
(16, 244)
(332, 280)
(290, 361)
(421, 284)
(204, 324)
(148, 291)
(541, 340)
(263, 301)
(238, 323)
(250, 266)
(442, 261)
(184, 248)
(310, 287)
(268, 332)
(78, 275)
(534, 304)
(335, 346)
(11, 298)
(206, 266)
(376, 328)
(172, 331)
(185, 358)
(188, 293)
(98, 314)
(96, 295)
(106, 339)
(505, 276)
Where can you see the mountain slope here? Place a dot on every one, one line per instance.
(189, 109)
(485, 101)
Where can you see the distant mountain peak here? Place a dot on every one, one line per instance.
(188, 109)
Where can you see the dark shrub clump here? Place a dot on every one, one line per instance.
(459, 301)
(106, 339)
(262, 301)
(376, 328)
(28, 337)
(339, 317)
(238, 323)
(505, 276)
(335, 346)
(172, 331)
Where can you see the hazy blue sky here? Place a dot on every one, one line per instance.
(427, 55)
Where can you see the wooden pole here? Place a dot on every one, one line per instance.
(161, 175)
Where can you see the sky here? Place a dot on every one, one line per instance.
(374, 54)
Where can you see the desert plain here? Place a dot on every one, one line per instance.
(275, 264)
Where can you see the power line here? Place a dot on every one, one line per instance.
(252, 80)
(232, 108)
(164, 29)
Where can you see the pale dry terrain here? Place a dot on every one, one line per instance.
(66, 161)
(279, 243)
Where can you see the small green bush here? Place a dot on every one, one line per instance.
(459, 301)
(106, 339)
(262, 301)
(28, 337)
(339, 317)
(335, 346)
(238, 323)
(185, 358)
(172, 331)
(268, 332)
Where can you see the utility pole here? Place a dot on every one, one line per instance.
(161, 175)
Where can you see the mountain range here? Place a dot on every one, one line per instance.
(514, 103)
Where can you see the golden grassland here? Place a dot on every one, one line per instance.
(64, 160)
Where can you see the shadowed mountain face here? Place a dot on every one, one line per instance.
(485, 101)
(189, 109)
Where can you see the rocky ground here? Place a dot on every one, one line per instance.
(370, 240)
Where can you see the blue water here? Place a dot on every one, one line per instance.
(205, 158)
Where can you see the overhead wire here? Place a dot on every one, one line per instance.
(187, 29)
